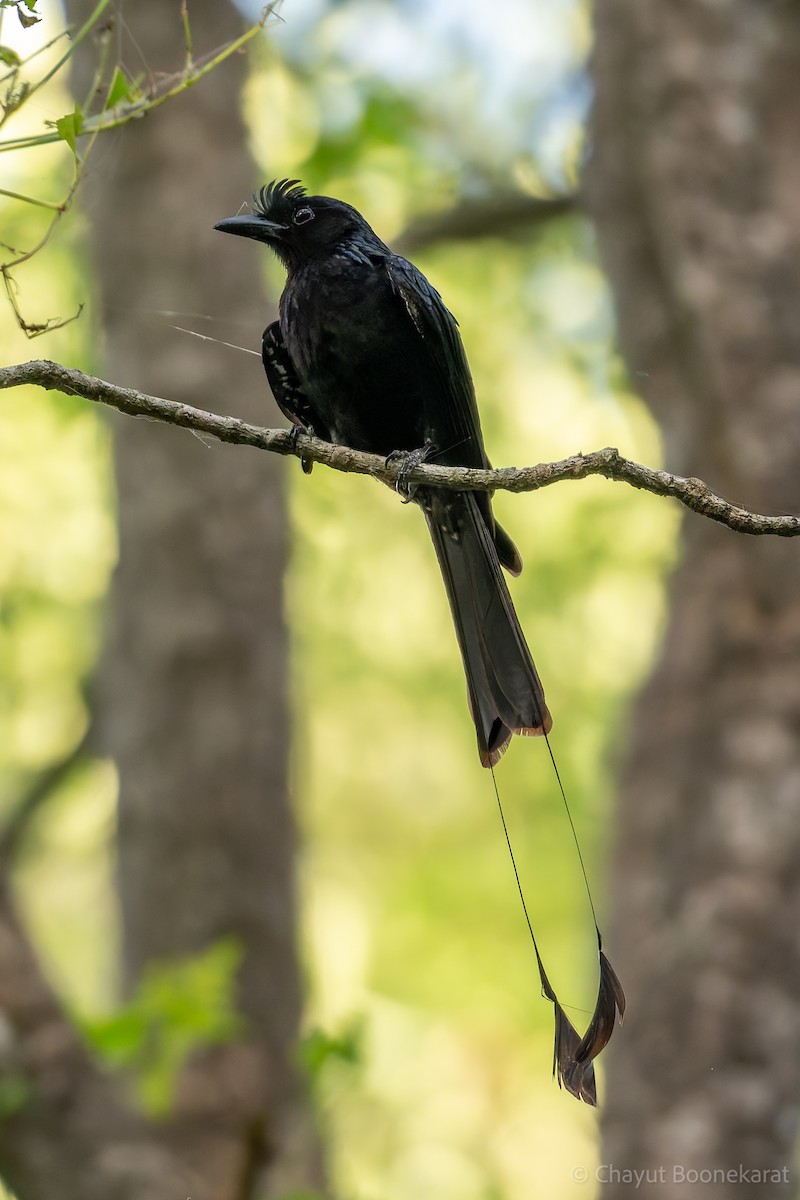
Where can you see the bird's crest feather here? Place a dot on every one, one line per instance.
(275, 195)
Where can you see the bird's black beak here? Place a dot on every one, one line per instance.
(252, 226)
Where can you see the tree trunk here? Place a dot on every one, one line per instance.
(694, 185)
(194, 695)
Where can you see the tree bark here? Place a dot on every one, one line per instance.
(194, 686)
(65, 1130)
(693, 186)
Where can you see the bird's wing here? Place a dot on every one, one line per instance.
(459, 437)
(438, 329)
(283, 380)
(286, 387)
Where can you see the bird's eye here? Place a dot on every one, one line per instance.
(303, 215)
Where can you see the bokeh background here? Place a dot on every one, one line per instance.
(425, 1040)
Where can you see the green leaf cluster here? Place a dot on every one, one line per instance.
(319, 1049)
(180, 1007)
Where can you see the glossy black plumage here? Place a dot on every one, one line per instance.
(365, 354)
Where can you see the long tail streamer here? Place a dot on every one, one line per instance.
(573, 1055)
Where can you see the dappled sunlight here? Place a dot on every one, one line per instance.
(57, 551)
(288, 120)
(338, 918)
(57, 548)
(66, 889)
(453, 1104)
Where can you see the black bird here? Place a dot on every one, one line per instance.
(366, 355)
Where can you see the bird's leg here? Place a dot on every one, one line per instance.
(294, 432)
(409, 459)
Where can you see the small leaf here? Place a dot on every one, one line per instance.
(119, 1037)
(26, 19)
(15, 98)
(70, 126)
(120, 89)
(318, 1048)
(181, 1006)
(9, 57)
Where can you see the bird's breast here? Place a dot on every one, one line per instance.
(361, 362)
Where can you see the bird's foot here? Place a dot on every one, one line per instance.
(294, 434)
(409, 460)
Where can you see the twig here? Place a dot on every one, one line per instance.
(17, 825)
(130, 109)
(609, 463)
(81, 128)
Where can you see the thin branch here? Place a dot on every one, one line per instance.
(74, 39)
(51, 204)
(17, 825)
(80, 129)
(609, 463)
(131, 109)
(498, 215)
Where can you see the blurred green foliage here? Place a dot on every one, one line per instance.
(318, 1049)
(179, 1007)
(15, 1092)
(437, 1082)
(57, 549)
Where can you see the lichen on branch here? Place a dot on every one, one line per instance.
(609, 463)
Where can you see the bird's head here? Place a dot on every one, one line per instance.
(299, 228)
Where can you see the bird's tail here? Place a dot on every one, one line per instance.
(505, 692)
